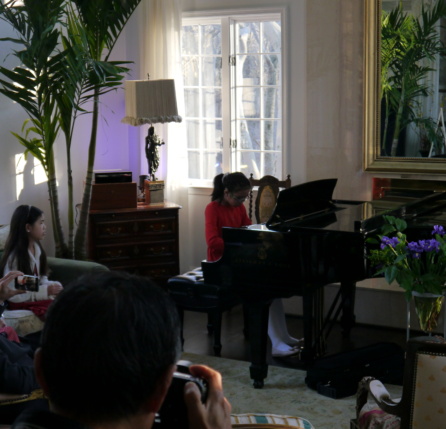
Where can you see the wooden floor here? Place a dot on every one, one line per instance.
(236, 347)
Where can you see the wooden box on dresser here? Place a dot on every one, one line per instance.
(141, 240)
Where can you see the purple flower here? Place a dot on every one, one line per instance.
(415, 249)
(434, 245)
(438, 229)
(414, 246)
(391, 242)
(430, 245)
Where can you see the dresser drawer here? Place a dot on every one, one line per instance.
(143, 240)
(122, 251)
(120, 215)
(125, 229)
(160, 272)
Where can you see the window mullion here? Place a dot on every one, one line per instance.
(226, 93)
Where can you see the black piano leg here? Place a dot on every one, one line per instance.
(181, 317)
(348, 318)
(210, 324)
(216, 324)
(313, 308)
(257, 315)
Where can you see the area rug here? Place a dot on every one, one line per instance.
(285, 392)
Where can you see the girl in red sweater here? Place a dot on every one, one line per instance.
(226, 209)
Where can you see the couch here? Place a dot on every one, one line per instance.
(62, 270)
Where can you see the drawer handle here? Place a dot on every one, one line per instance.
(162, 226)
(158, 250)
(114, 253)
(115, 230)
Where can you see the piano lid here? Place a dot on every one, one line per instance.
(309, 198)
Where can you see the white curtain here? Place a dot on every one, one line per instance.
(161, 57)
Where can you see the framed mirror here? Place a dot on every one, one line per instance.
(409, 159)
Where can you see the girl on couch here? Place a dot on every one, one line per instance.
(24, 252)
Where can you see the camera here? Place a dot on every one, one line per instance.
(28, 283)
(173, 412)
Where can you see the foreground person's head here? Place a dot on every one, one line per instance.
(109, 347)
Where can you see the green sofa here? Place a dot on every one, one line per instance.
(66, 270)
(62, 270)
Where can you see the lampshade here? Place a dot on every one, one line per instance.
(150, 102)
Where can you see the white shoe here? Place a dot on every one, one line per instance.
(293, 351)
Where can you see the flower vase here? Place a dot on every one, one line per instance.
(428, 308)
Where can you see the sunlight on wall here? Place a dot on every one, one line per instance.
(20, 166)
(38, 172)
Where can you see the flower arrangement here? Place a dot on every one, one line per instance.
(417, 266)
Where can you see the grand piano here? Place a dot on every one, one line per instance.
(310, 241)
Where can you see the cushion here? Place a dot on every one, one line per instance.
(372, 417)
(23, 321)
(429, 398)
(265, 421)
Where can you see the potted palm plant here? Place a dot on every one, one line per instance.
(432, 139)
(63, 48)
(409, 46)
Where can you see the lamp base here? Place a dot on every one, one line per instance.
(154, 191)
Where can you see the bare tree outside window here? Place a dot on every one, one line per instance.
(233, 102)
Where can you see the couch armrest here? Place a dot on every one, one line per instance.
(66, 270)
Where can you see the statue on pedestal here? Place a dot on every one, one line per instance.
(153, 159)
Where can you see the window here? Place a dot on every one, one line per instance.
(232, 72)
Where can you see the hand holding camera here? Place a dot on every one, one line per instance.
(173, 412)
(216, 412)
(195, 400)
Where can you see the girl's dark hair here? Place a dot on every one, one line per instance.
(17, 242)
(233, 182)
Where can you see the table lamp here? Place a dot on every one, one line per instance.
(151, 102)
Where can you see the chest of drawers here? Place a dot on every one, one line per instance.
(141, 240)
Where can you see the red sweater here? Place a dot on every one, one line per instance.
(216, 217)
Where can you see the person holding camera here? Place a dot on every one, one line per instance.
(108, 355)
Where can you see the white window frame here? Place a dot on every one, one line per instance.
(240, 15)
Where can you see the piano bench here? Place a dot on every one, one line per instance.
(190, 292)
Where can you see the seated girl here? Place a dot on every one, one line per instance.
(226, 209)
(24, 252)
